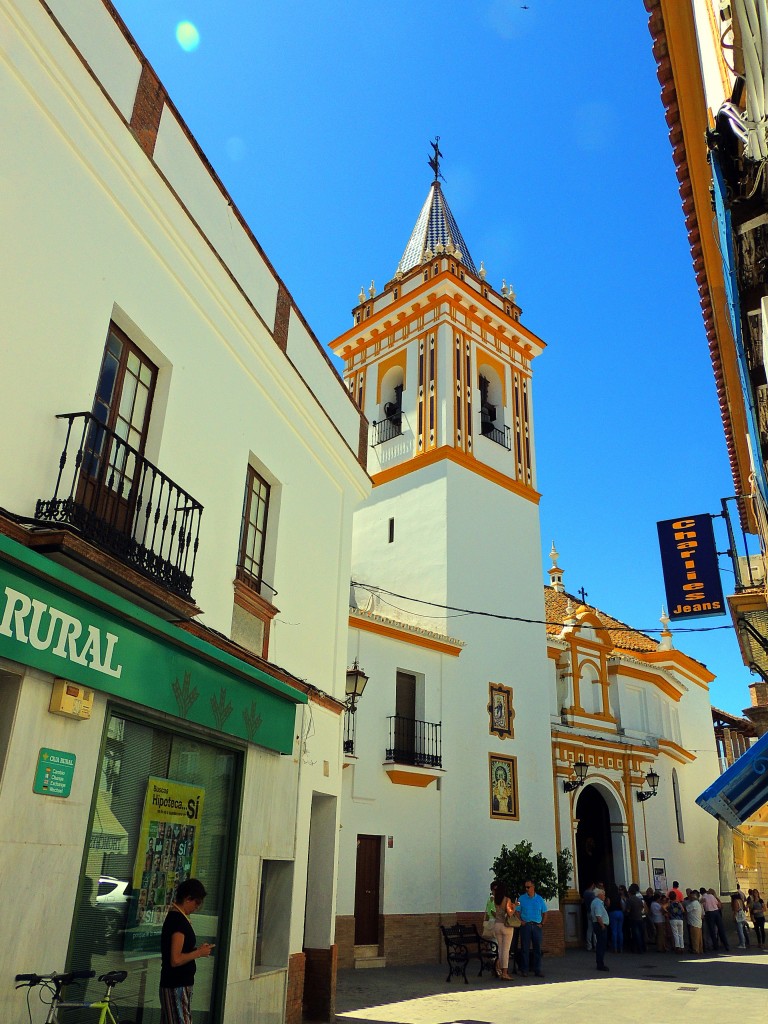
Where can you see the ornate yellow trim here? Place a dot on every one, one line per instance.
(359, 336)
(411, 777)
(578, 745)
(649, 677)
(675, 751)
(481, 357)
(694, 670)
(405, 635)
(449, 454)
(398, 359)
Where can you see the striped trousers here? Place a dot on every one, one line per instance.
(176, 1005)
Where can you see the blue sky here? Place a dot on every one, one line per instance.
(558, 168)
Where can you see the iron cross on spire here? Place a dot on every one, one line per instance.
(583, 595)
(434, 161)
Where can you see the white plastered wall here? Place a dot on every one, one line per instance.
(118, 243)
(444, 551)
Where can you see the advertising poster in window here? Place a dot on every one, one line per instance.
(166, 855)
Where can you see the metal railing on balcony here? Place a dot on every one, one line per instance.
(119, 501)
(500, 435)
(748, 565)
(414, 742)
(386, 429)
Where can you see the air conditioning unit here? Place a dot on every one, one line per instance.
(751, 570)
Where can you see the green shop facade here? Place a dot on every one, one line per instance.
(123, 748)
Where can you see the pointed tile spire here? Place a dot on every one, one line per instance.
(435, 227)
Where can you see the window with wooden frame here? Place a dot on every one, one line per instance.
(126, 386)
(118, 429)
(253, 533)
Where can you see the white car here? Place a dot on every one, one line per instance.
(112, 899)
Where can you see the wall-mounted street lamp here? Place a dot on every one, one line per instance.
(580, 768)
(356, 680)
(652, 779)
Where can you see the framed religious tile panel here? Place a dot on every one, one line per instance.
(501, 714)
(502, 786)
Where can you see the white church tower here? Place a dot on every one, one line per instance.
(450, 756)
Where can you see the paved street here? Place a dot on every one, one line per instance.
(652, 989)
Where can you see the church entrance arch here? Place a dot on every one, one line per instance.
(600, 838)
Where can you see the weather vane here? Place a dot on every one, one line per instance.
(434, 162)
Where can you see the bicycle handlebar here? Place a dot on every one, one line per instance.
(57, 979)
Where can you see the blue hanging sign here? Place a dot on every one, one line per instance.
(691, 570)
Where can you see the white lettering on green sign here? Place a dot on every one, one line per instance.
(47, 628)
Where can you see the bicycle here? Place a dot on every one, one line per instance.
(54, 983)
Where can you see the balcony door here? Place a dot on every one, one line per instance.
(109, 484)
(405, 720)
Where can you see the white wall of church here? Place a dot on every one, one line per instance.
(460, 540)
(416, 559)
(373, 805)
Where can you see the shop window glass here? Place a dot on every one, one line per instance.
(136, 854)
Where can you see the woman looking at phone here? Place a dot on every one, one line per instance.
(178, 953)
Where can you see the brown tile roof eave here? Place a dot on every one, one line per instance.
(740, 721)
(231, 647)
(669, 100)
(623, 637)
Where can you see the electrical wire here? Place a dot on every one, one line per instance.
(758, 176)
(618, 627)
(727, 46)
(424, 615)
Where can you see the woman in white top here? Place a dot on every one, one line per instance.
(740, 917)
(504, 906)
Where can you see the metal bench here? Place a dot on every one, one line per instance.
(464, 943)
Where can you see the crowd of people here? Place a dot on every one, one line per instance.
(671, 921)
(622, 919)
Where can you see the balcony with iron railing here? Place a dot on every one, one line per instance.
(416, 743)
(385, 430)
(117, 500)
(748, 603)
(499, 435)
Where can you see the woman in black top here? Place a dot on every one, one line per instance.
(757, 910)
(178, 952)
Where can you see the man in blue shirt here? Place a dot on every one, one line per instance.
(532, 910)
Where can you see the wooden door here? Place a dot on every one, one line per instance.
(367, 890)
